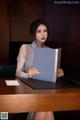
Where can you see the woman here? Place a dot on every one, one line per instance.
(40, 32)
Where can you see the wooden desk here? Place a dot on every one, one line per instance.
(25, 99)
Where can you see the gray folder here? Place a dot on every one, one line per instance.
(46, 60)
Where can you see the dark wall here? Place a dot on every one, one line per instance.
(64, 23)
(22, 13)
(4, 31)
(15, 19)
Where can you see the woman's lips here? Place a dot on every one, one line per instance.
(43, 38)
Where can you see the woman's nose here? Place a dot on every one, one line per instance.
(42, 33)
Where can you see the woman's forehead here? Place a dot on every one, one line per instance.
(42, 26)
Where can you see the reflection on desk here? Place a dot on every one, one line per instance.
(27, 99)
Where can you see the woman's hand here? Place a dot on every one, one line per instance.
(32, 72)
(60, 73)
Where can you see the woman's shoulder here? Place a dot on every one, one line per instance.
(25, 45)
(24, 48)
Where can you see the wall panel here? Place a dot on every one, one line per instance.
(4, 31)
(64, 23)
(22, 14)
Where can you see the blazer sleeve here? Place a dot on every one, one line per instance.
(20, 62)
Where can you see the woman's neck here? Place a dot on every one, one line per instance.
(39, 44)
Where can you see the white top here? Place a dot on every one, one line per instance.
(24, 59)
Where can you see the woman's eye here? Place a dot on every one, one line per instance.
(38, 31)
(45, 30)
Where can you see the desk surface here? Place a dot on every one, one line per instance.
(25, 99)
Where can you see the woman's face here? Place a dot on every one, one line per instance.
(41, 34)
